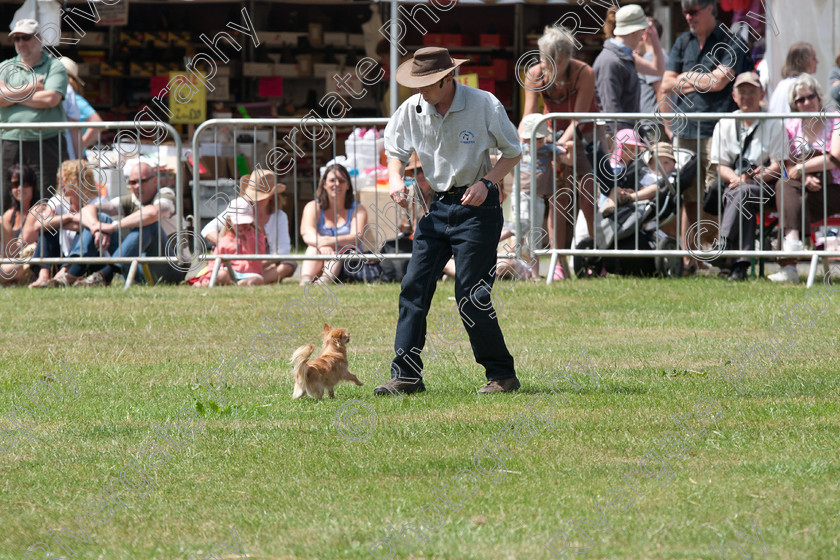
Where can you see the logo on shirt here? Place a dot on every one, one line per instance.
(466, 137)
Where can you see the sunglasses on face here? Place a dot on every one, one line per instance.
(20, 38)
(804, 98)
(132, 182)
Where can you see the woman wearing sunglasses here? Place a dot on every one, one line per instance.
(20, 184)
(813, 178)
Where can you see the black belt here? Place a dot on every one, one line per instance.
(451, 193)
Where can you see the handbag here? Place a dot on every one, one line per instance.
(712, 194)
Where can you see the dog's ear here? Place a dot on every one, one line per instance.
(327, 328)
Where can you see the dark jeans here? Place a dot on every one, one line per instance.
(14, 151)
(471, 234)
(130, 246)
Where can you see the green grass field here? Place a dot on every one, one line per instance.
(291, 480)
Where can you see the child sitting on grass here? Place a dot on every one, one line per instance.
(239, 237)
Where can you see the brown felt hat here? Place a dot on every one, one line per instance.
(428, 66)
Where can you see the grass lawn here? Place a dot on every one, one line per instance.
(306, 479)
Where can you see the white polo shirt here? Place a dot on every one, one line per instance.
(453, 149)
(769, 142)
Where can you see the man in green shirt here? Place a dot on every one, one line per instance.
(32, 87)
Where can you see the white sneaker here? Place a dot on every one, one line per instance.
(785, 274)
(791, 245)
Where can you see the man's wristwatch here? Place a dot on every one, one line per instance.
(489, 184)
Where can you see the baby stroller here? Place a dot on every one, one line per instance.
(646, 216)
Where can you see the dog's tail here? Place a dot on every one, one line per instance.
(299, 359)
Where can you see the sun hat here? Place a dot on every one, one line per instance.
(528, 123)
(661, 149)
(259, 185)
(624, 137)
(240, 212)
(629, 19)
(24, 27)
(429, 65)
(72, 69)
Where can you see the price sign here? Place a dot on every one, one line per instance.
(192, 110)
(468, 80)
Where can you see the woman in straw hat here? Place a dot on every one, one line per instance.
(57, 223)
(262, 190)
(452, 128)
(330, 223)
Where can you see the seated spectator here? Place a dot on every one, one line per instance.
(624, 163)
(801, 59)
(809, 155)
(57, 223)
(748, 156)
(262, 186)
(330, 223)
(129, 225)
(240, 236)
(21, 180)
(834, 80)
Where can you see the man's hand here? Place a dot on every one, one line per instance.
(399, 192)
(813, 183)
(39, 84)
(475, 195)
(71, 221)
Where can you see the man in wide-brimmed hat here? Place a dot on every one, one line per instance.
(452, 128)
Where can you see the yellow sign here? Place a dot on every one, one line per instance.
(188, 102)
(468, 80)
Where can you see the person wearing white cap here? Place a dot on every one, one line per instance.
(32, 87)
(616, 82)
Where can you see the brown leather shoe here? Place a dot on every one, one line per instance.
(500, 386)
(397, 385)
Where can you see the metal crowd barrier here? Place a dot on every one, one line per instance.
(295, 150)
(569, 209)
(110, 167)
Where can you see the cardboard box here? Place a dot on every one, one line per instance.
(445, 40)
(257, 69)
(141, 69)
(325, 70)
(493, 40)
(91, 39)
(336, 39)
(286, 70)
(222, 91)
(289, 38)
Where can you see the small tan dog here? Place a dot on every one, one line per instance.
(325, 371)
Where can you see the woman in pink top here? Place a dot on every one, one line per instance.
(810, 146)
